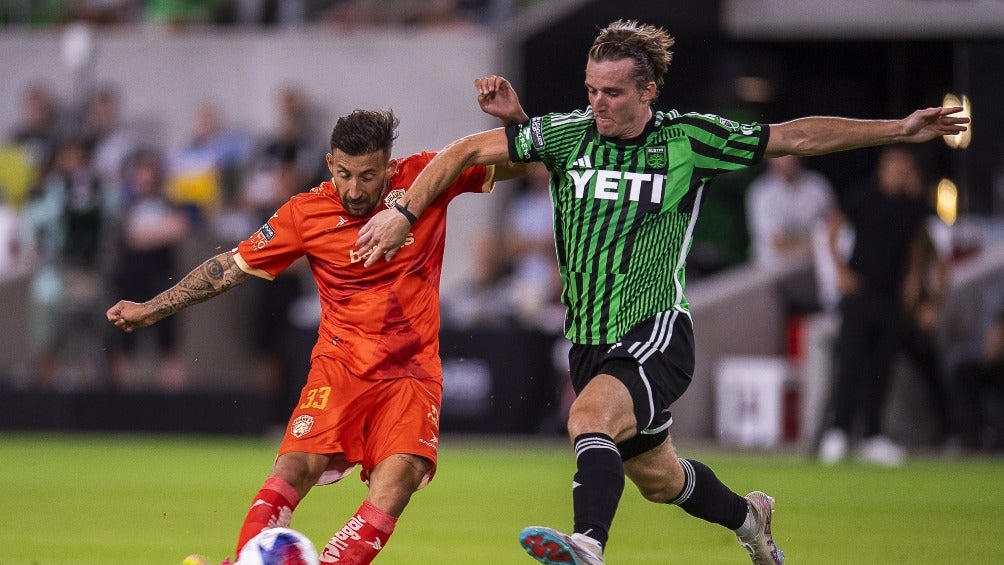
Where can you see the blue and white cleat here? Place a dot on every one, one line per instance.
(552, 547)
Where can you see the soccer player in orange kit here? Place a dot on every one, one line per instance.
(373, 393)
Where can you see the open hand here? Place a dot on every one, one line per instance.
(382, 236)
(497, 98)
(927, 124)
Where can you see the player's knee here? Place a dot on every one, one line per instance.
(578, 421)
(300, 470)
(399, 475)
(595, 417)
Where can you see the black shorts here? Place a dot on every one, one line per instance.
(655, 361)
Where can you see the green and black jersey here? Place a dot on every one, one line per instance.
(624, 209)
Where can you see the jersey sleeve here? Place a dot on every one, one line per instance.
(273, 248)
(723, 145)
(522, 148)
(476, 179)
(549, 138)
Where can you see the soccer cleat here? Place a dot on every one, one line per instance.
(760, 544)
(881, 450)
(552, 547)
(833, 447)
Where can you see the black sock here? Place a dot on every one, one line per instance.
(599, 483)
(707, 498)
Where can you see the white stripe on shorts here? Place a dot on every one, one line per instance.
(662, 333)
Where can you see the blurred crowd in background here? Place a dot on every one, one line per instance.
(97, 212)
(93, 211)
(289, 13)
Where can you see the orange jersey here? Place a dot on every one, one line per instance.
(381, 322)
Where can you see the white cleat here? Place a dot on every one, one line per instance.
(881, 450)
(833, 447)
(760, 544)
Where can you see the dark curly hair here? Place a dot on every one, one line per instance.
(365, 131)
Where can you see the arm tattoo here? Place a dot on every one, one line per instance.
(215, 276)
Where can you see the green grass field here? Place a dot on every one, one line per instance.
(108, 500)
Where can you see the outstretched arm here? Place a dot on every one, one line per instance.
(387, 231)
(497, 98)
(821, 135)
(215, 276)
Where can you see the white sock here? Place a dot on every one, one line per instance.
(749, 526)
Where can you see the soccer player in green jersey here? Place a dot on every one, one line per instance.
(627, 184)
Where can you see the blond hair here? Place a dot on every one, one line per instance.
(648, 46)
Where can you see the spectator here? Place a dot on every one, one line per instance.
(783, 205)
(103, 12)
(204, 173)
(150, 234)
(18, 175)
(978, 384)
(109, 141)
(887, 307)
(37, 132)
(289, 13)
(69, 220)
(529, 239)
(286, 159)
(483, 300)
(38, 13)
(178, 13)
(11, 255)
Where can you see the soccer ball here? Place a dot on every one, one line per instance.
(278, 546)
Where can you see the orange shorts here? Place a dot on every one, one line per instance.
(363, 420)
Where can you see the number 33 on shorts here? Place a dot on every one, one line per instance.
(317, 398)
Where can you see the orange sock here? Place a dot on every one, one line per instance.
(272, 508)
(361, 538)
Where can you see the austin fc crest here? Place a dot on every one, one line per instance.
(655, 157)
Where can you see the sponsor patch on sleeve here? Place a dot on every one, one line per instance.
(261, 237)
(537, 132)
(728, 123)
(267, 232)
